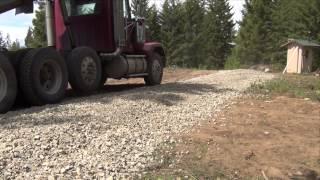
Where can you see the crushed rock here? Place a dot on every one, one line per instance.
(112, 134)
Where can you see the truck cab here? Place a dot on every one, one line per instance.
(88, 42)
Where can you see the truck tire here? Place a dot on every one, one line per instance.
(43, 76)
(8, 84)
(17, 56)
(85, 70)
(155, 70)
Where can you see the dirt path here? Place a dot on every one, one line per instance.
(278, 138)
(170, 75)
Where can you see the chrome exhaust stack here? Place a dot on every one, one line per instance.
(49, 23)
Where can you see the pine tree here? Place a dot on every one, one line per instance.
(172, 24)
(166, 29)
(2, 41)
(192, 54)
(294, 19)
(219, 33)
(287, 18)
(36, 36)
(153, 22)
(8, 41)
(315, 11)
(15, 45)
(29, 38)
(253, 43)
(39, 28)
(313, 23)
(140, 8)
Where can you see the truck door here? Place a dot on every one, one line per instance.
(90, 23)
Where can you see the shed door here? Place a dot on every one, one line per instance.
(307, 60)
(293, 59)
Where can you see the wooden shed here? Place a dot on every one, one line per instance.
(299, 56)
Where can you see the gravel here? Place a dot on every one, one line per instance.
(112, 134)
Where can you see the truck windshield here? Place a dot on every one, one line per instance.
(82, 7)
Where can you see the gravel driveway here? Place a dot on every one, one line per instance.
(111, 134)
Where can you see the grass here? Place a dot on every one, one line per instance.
(298, 86)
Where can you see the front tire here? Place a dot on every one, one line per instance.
(43, 76)
(85, 71)
(155, 70)
(8, 84)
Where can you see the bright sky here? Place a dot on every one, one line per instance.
(17, 26)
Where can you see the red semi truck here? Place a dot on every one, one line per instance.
(88, 42)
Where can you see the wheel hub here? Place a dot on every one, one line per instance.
(156, 69)
(50, 77)
(3, 84)
(88, 70)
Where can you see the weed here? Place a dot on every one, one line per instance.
(300, 86)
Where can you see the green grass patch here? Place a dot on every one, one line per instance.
(299, 86)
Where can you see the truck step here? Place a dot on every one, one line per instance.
(137, 75)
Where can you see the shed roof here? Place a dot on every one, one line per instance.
(301, 42)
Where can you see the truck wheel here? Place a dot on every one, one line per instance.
(43, 76)
(8, 84)
(155, 70)
(85, 71)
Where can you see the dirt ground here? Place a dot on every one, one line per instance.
(170, 75)
(277, 138)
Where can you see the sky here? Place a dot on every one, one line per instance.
(17, 25)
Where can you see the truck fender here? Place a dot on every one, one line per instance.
(154, 47)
